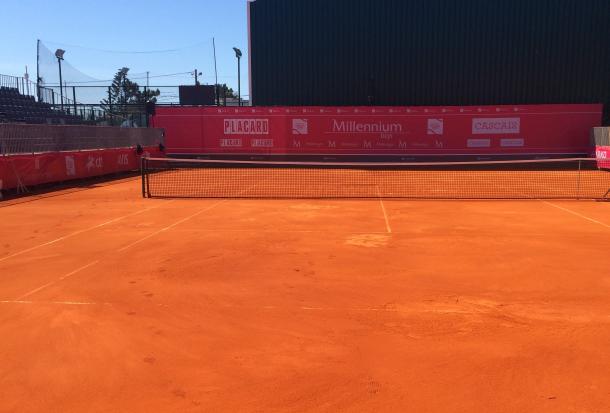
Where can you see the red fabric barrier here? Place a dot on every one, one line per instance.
(560, 129)
(602, 153)
(36, 169)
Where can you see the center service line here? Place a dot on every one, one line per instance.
(385, 214)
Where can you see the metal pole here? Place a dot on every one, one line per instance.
(578, 188)
(27, 80)
(74, 98)
(215, 74)
(196, 82)
(109, 103)
(61, 86)
(38, 69)
(239, 81)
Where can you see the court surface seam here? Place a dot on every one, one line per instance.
(569, 211)
(82, 231)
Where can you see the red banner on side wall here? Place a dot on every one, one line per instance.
(36, 169)
(602, 153)
(502, 130)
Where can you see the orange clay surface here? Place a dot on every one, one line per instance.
(114, 303)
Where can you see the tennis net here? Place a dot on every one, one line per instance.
(577, 178)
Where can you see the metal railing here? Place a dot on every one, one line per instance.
(85, 101)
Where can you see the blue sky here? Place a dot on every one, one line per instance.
(94, 32)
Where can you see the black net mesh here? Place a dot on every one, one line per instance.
(537, 179)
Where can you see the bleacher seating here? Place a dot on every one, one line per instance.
(18, 108)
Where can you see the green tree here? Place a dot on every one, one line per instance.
(225, 91)
(125, 97)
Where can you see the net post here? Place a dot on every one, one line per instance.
(147, 174)
(143, 174)
(578, 184)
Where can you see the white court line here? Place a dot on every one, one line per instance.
(385, 215)
(569, 211)
(171, 226)
(281, 231)
(63, 277)
(79, 232)
(51, 302)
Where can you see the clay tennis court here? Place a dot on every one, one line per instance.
(111, 302)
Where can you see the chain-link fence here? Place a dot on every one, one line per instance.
(20, 139)
(601, 136)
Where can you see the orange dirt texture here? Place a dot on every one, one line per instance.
(114, 303)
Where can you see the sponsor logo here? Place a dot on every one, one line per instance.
(478, 143)
(346, 126)
(299, 127)
(512, 143)
(601, 154)
(314, 144)
(94, 162)
(367, 144)
(261, 143)
(70, 166)
(230, 143)
(246, 126)
(488, 126)
(123, 159)
(435, 126)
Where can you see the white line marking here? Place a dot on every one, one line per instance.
(171, 226)
(79, 232)
(569, 211)
(280, 231)
(63, 277)
(385, 216)
(51, 302)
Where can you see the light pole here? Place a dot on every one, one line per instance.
(59, 54)
(238, 55)
(197, 73)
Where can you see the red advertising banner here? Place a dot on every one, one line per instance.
(602, 153)
(502, 130)
(36, 169)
